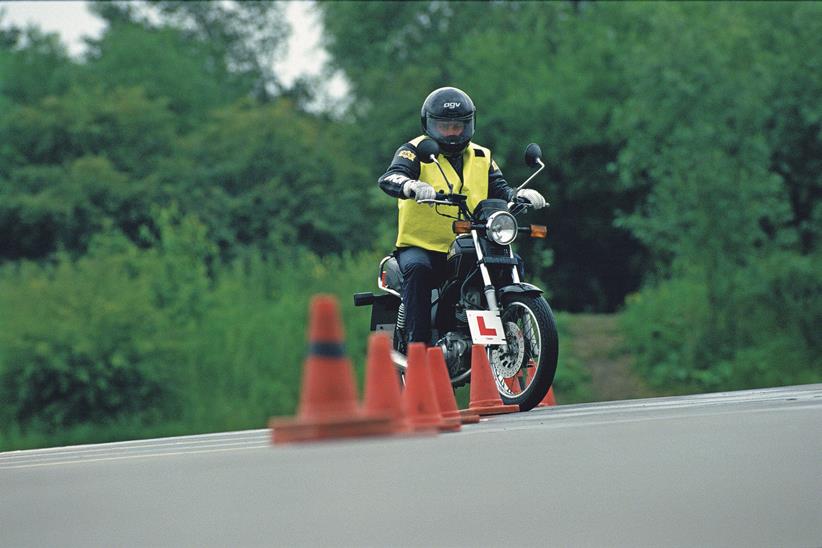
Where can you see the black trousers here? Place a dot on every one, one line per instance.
(422, 271)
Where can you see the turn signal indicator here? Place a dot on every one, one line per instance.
(462, 227)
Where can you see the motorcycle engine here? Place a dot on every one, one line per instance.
(454, 346)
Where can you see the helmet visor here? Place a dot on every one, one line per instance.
(452, 131)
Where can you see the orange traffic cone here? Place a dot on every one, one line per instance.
(529, 372)
(548, 400)
(444, 392)
(382, 388)
(328, 400)
(513, 383)
(422, 413)
(485, 399)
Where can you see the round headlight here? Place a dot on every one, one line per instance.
(502, 228)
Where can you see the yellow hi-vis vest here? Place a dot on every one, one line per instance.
(419, 224)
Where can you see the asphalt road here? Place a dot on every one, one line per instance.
(730, 469)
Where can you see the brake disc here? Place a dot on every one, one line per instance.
(506, 363)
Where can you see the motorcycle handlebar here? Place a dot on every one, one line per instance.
(519, 205)
(516, 207)
(437, 202)
(445, 199)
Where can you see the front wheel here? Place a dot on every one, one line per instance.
(524, 369)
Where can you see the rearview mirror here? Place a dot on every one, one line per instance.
(426, 149)
(532, 154)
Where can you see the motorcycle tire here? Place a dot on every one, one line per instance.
(534, 389)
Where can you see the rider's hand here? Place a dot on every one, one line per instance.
(420, 190)
(536, 199)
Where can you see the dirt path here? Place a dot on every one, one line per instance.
(597, 344)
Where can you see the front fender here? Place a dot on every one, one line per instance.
(517, 289)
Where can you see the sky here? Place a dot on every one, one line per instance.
(72, 21)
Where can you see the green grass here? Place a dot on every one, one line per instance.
(572, 383)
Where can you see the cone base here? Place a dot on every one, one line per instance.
(469, 417)
(494, 409)
(426, 426)
(290, 430)
(419, 431)
(451, 424)
(457, 415)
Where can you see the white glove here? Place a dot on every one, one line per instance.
(536, 199)
(422, 191)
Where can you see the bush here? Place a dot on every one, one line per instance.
(772, 339)
(244, 364)
(128, 342)
(82, 342)
(101, 338)
(660, 324)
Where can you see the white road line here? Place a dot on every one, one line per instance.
(108, 447)
(681, 402)
(200, 439)
(173, 439)
(582, 422)
(91, 454)
(800, 397)
(127, 457)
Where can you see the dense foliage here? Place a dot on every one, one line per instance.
(167, 204)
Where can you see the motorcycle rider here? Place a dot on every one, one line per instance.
(448, 116)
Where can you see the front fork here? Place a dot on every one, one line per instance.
(488, 289)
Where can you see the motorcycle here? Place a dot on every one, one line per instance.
(483, 299)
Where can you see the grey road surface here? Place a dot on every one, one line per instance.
(729, 469)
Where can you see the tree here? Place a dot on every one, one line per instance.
(241, 39)
(73, 162)
(273, 177)
(164, 63)
(33, 65)
(794, 126)
(722, 137)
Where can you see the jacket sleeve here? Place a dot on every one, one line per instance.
(497, 185)
(404, 167)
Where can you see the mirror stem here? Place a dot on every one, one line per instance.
(528, 180)
(447, 182)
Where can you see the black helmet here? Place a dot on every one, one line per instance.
(448, 116)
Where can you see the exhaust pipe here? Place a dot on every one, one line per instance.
(400, 361)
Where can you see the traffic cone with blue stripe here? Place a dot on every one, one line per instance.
(328, 407)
